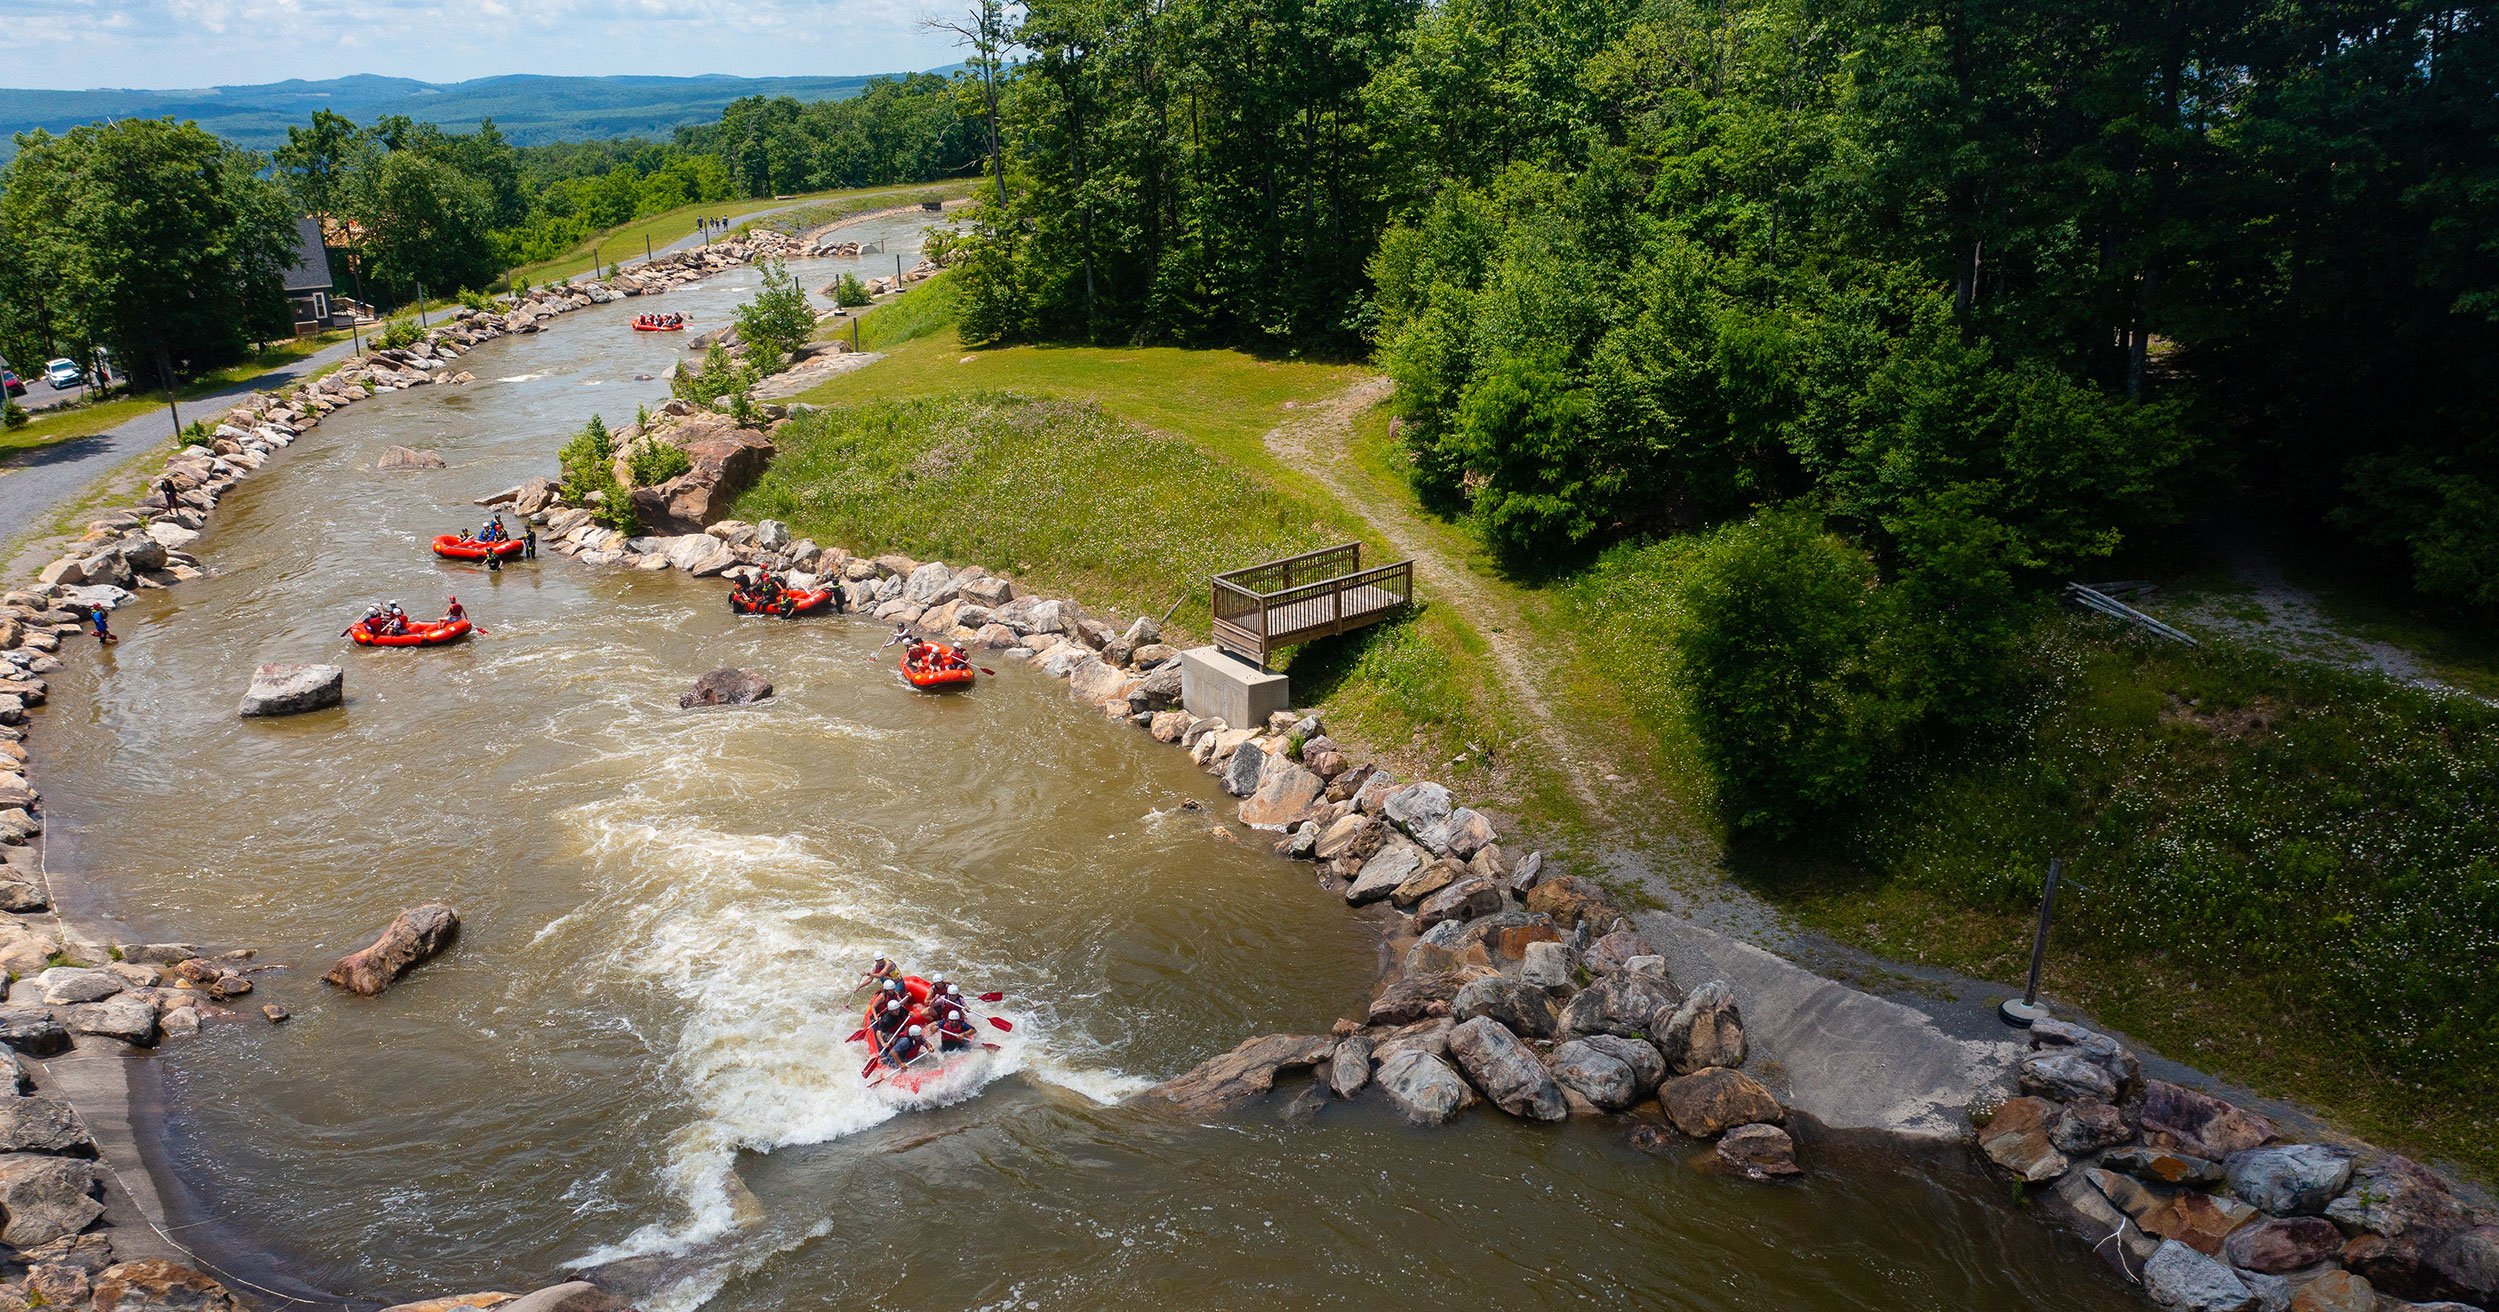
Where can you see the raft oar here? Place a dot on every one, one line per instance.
(1001, 1024)
(991, 997)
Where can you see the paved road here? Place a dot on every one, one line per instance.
(34, 483)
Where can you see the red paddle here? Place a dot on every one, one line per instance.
(854, 1038)
(992, 997)
(1001, 1024)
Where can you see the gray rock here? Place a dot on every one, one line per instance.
(289, 688)
(1460, 836)
(126, 1017)
(32, 1030)
(1705, 1030)
(401, 457)
(2066, 1075)
(2085, 1127)
(63, 985)
(1242, 773)
(1711, 1101)
(771, 534)
(2394, 1194)
(1463, 900)
(2291, 1180)
(1626, 1003)
(44, 1198)
(1349, 1068)
(1414, 998)
(1610, 951)
(2184, 1280)
(1758, 1152)
(43, 1125)
(1423, 1085)
(929, 584)
(1546, 966)
(1594, 1074)
(1648, 1066)
(1517, 1005)
(726, 686)
(1529, 872)
(1506, 1069)
(1392, 865)
(1416, 808)
(1377, 787)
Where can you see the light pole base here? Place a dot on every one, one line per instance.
(2020, 1014)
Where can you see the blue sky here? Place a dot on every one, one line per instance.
(193, 43)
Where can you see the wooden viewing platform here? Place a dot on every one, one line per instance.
(1265, 608)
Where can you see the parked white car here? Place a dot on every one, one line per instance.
(63, 373)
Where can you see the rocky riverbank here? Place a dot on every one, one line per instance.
(1526, 987)
(71, 995)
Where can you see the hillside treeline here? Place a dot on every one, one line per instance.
(1918, 307)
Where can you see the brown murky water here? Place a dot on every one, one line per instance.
(633, 1060)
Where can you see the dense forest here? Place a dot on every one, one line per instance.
(1937, 302)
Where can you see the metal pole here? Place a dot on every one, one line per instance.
(2028, 1010)
(421, 324)
(646, 248)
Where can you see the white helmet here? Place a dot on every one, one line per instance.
(915, 1031)
(954, 991)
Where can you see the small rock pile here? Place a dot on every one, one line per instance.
(135, 994)
(2217, 1211)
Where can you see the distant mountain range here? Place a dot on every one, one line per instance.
(529, 109)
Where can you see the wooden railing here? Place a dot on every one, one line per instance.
(1264, 608)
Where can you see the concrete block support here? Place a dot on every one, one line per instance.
(1217, 683)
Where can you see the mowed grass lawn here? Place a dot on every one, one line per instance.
(625, 243)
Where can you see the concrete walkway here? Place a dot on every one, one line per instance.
(33, 484)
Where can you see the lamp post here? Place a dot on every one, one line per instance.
(2027, 1010)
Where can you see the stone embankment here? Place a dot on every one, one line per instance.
(2213, 1210)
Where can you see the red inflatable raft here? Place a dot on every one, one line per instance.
(451, 546)
(420, 634)
(646, 324)
(935, 667)
(794, 601)
(919, 1074)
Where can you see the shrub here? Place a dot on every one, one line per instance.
(477, 300)
(195, 433)
(1776, 616)
(399, 334)
(13, 415)
(655, 462)
(720, 376)
(588, 462)
(778, 321)
(849, 292)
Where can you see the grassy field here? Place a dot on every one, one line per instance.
(626, 243)
(2283, 873)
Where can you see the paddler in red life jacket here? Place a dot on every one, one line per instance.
(955, 1032)
(455, 611)
(890, 1015)
(907, 1047)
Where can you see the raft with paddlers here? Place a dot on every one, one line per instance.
(460, 546)
(659, 323)
(785, 603)
(420, 633)
(929, 1036)
(936, 667)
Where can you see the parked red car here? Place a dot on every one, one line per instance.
(12, 383)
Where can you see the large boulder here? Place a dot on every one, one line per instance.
(413, 936)
(1422, 1085)
(1626, 1002)
(1246, 1072)
(2066, 1074)
(2297, 1179)
(2199, 1124)
(726, 686)
(32, 1030)
(1594, 1074)
(1518, 1005)
(291, 688)
(1285, 792)
(726, 460)
(1391, 866)
(1413, 998)
(2277, 1245)
(2016, 1138)
(1464, 899)
(63, 985)
(1705, 1030)
(1648, 1066)
(1715, 1100)
(43, 1125)
(1571, 901)
(1506, 1069)
(2184, 1280)
(1417, 808)
(1247, 766)
(2394, 1195)
(1349, 1067)
(127, 1017)
(1758, 1152)
(401, 457)
(43, 1198)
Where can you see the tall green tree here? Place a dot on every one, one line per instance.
(156, 240)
